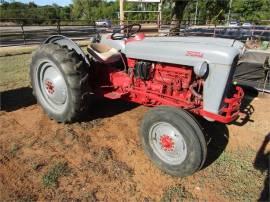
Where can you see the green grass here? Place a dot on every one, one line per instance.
(14, 71)
(241, 181)
(14, 149)
(235, 175)
(50, 179)
(176, 193)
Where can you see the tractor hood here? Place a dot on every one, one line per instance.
(199, 40)
(185, 50)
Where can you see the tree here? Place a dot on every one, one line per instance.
(65, 13)
(251, 10)
(173, 11)
(177, 15)
(90, 10)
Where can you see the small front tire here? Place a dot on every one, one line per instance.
(173, 140)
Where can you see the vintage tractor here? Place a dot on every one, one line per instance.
(181, 77)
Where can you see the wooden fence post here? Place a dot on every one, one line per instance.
(24, 40)
(214, 34)
(58, 27)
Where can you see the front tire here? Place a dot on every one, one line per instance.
(173, 140)
(59, 78)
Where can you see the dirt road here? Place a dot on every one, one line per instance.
(101, 159)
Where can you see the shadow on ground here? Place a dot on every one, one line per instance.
(102, 108)
(217, 134)
(217, 137)
(262, 163)
(15, 99)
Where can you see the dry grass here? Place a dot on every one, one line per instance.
(16, 50)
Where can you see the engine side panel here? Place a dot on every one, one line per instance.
(165, 84)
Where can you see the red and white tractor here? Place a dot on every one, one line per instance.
(178, 76)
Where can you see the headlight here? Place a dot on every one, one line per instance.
(201, 69)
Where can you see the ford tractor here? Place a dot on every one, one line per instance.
(179, 77)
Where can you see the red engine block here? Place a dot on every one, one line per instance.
(172, 85)
(166, 84)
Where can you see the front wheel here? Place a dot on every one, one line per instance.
(173, 140)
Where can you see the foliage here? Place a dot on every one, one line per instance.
(209, 11)
(251, 10)
(91, 10)
(33, 14)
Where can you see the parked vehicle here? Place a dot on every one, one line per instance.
(180, 77)
(234, 24)
(103, 23)
(247, 25)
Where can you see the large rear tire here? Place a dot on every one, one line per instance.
(173, 140)
(59, 78)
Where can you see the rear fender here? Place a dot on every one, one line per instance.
(65, 41)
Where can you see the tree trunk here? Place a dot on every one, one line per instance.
(177, 15)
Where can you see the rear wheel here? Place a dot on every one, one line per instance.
(59, 78)
(173, 140)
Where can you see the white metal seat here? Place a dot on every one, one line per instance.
(104, 53)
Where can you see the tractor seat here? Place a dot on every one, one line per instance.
(103, 53)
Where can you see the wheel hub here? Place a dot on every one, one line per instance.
(167, 143)
(49, 86)
(52, 85)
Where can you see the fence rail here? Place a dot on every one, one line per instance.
(12, 33)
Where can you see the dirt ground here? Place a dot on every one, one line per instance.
(101, 159)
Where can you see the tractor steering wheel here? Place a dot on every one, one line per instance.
(128, 32)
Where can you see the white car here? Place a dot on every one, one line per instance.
(247, 24)
(233, 24)
(103, 23)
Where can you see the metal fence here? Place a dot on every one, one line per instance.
(238, 33)
(18, 31)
